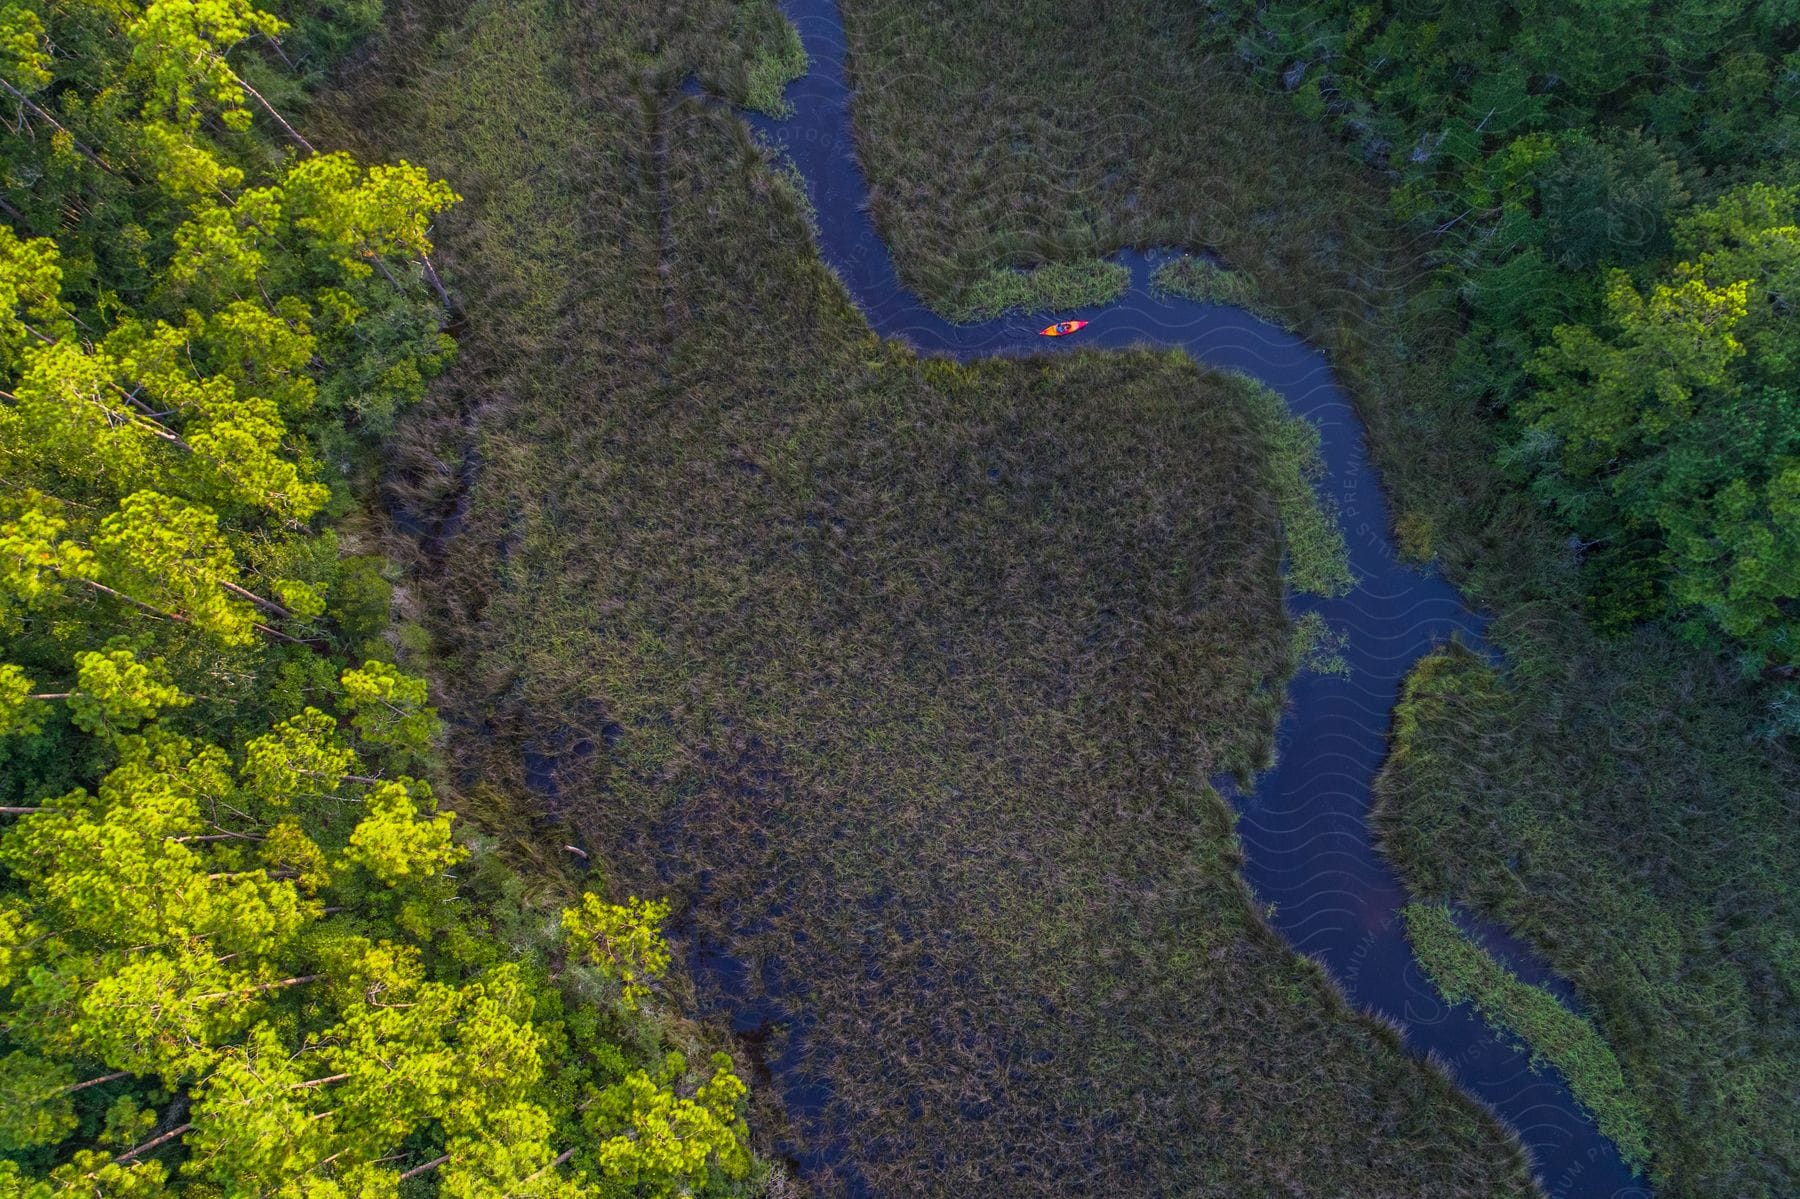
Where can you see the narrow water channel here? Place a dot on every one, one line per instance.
(1304, 828)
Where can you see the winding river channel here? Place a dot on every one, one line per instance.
(1304, 828)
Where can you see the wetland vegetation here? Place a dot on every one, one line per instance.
(1511, 216)
(427, 587)
(738, 596)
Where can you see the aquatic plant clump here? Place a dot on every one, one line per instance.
(776, 57)
(1464, 971)
(1318, 560)
(1198, 278)
(1318, 647)
(1054, 287)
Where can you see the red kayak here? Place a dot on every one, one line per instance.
(1062, 328)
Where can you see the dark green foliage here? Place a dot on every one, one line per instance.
(1432, 92)
(1539, 152)
(1670, 436)
(1611, 199)
(322, 33)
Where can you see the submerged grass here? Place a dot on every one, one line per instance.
(903, 677)
(1605, 799)
(1318, 647)
(1464, 971)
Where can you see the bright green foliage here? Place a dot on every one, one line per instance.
(19, 935)
(179, 47)
(654, 1141)
(1669, 434)
(390, 707)
(403, 835)
(624, 941)
(301, 756)
(23, 61)
(36, 560)
(511, 1156)
(356, 215)
(203, 952)
(34, 1105)
(228, 916)
(170, 555)
(71, 422)
(30, 285)
(221, 249)
(114, 691)
(173, 303)
(88, 1172)
(18, 713)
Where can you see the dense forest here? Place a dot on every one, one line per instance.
(242, 948)
(1611, 195)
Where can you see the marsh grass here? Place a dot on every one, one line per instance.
(1197, 278)
(776, 57)
(1608, 800)
(1318, 560)
(903, 677)
(1011, 136)
(1465, 972)
(1319, 648)
(1635, 833)
(1054, 287)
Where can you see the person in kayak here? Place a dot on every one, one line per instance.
(1062, 328)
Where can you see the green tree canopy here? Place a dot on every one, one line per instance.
(240, 948)
(1669, 433)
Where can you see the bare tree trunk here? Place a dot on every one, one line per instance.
(153, 1143)
(433, 1164)
(270, 109)
(94, 1082)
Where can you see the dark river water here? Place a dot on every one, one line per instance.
(1304, 827)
